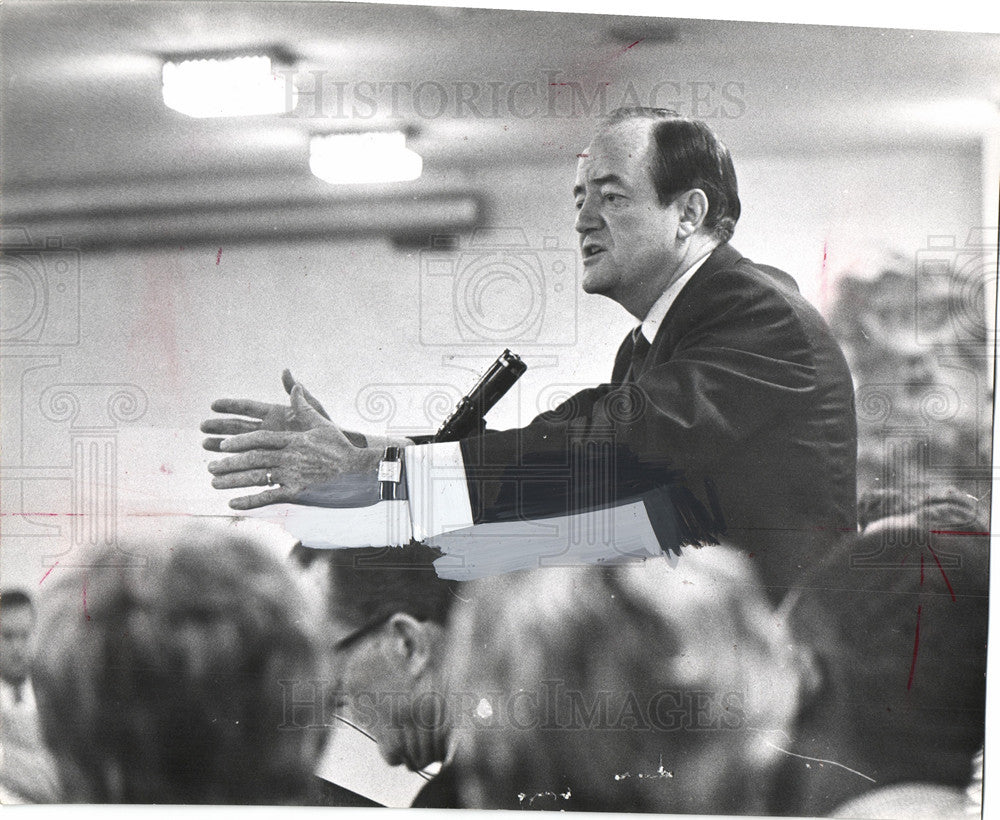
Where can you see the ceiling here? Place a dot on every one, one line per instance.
(83, 114)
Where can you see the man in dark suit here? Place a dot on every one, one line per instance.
(732, 384)
(732, 378)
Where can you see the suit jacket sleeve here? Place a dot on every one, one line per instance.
(731, 358)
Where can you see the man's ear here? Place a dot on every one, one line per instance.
(693, 208)
(414, 643)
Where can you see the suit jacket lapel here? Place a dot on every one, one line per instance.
(622, 360)
(661, 348)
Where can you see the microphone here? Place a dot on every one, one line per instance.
(467, 418)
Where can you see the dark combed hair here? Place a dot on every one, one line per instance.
(688, 155)
(373, 583)
(903, 614)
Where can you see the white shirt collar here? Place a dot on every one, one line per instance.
(658, 312)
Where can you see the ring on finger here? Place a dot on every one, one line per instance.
(268, 478)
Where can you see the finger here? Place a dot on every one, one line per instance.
(213, 444)
(259, 440)
(242, 407)
(229, 427)
(314, 403)
(303, 410)
(288, 380)
(247, 478)
(276, 495)
(253, 460)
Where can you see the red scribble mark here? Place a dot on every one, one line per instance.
(157, 329)
(934, 554)
(599, 64)
(218, 256)
(34, 514)
(957, 532)
(916, 646)
(165, 470)
(46, 575)
(606, 60)
(85, 613)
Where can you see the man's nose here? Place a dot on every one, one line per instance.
(587, 217)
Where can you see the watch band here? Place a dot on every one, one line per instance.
(390, 474)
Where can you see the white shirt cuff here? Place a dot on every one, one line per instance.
(386, 524)
(437, 488)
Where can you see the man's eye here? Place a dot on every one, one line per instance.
(611, 197)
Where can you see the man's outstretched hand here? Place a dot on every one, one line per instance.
(295, 447)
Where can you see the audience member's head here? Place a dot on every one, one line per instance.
(897, 621)
(387, 615)
(637, 687)
(162, 671)
(17, 624)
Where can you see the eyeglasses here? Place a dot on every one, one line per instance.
(346, 642)
(348, 722)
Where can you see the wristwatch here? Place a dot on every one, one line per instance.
(390, 475)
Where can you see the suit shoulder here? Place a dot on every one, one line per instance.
(745, 296)
(743, 279)
(738, 271)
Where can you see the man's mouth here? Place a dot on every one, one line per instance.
(590, 250)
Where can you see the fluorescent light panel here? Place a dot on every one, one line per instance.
(227, 87)
(371, 157)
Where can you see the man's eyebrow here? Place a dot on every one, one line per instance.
(598, 181)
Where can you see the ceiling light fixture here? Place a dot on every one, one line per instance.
(229, 85)
(368, 157)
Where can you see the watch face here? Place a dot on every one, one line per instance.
(390, 474)
(390, 471)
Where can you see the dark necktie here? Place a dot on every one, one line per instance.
(640, 347)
